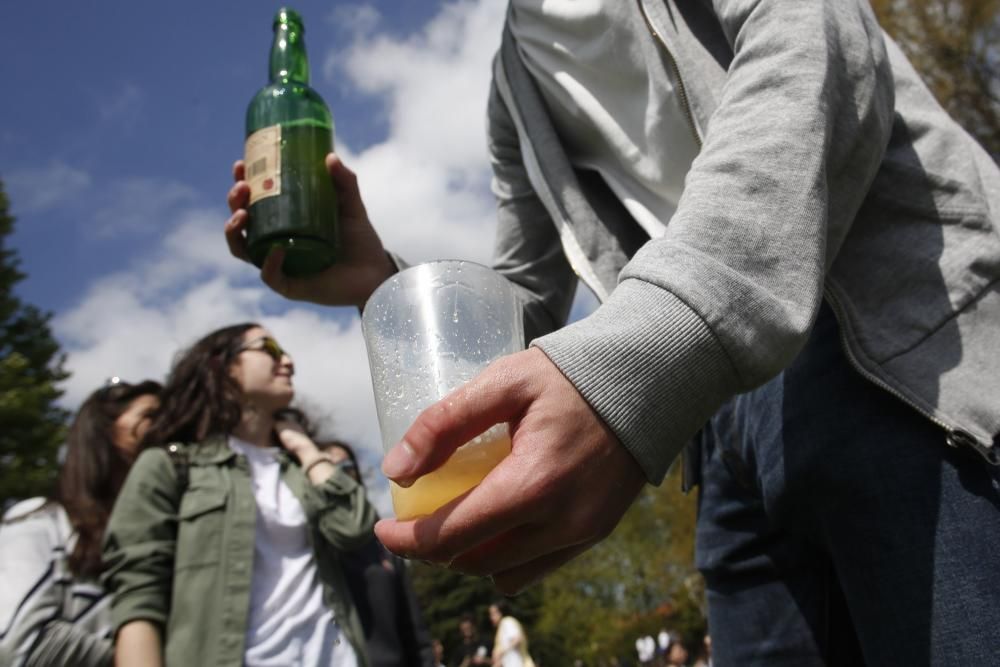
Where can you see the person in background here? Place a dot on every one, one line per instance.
(438, 653)
(53, 610)
(510, 647)
(676, 654)
(704, 658)
(473, 650)
(645, 647)
(393, 624)
(224, 546)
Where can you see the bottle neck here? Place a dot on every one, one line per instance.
(288, 55)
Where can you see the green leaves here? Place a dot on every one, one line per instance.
(639, 580)
(31, 367)
(952, 44)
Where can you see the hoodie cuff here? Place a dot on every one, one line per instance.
(649, 366)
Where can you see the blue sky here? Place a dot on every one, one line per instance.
(112, 103)
(119, 124)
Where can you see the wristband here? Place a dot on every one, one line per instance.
(320, 459)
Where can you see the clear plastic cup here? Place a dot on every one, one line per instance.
(428, 330)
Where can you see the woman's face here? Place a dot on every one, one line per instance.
(495, 615)
(263, 371)
(132, 424)
(677, 654)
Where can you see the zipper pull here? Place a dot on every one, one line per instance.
(958, 438)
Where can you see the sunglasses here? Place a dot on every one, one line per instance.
(113, 385)
(264, 344)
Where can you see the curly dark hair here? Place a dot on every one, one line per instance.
(95, 469)
(200, 398)
(352, 456)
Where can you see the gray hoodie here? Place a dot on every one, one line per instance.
(826, 170)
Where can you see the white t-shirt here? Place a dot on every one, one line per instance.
(509, 633)
(614, 104)
(288, 622)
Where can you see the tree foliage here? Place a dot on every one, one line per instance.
(955, 45)
(31, 367)
(445, 596)
(639, 580)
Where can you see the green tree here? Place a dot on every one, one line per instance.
(639, 580)
(31, 367)
(954, 46)
(445, 596)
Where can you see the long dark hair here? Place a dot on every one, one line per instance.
(352, 456)
(200, 398)
(95, 469)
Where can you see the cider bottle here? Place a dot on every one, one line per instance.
(289, 131)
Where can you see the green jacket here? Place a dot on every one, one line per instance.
(183, 558)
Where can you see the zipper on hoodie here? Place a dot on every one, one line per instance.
(681, 90)
(954, 436)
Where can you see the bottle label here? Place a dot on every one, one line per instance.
(262, 160)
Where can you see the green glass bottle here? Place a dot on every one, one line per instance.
(289, 131)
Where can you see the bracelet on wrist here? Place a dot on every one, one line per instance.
(319, 459)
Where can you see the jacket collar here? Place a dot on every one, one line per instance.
(213, 450)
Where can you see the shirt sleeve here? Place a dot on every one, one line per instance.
(62, 643)
(528, 250)
(727, 297)
(140, 542)
(341, 511)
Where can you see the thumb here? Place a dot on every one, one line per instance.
(346, 182)
(492, 397)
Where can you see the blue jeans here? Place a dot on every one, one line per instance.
(836, 527)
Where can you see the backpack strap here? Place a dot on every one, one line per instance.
(179, 455)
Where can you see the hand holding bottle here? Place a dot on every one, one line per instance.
(363, 264)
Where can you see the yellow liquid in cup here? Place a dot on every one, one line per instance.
(465, 469)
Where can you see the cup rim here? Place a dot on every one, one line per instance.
(385, 283)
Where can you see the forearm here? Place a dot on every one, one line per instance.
(140, 542)
(139, 644)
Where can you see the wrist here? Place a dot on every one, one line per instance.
(377, 274)
(308, 465)
(307, 458)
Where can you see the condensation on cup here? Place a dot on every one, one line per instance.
(428, 330)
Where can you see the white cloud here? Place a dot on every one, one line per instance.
(34, 190)
(354, 20)
(134, 205)
(426, 185)
(133, 323)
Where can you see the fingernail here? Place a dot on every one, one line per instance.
(400, 463)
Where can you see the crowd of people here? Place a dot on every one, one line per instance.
(668, 649)
(201, 522)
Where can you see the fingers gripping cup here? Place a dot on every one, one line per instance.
(430, 329)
